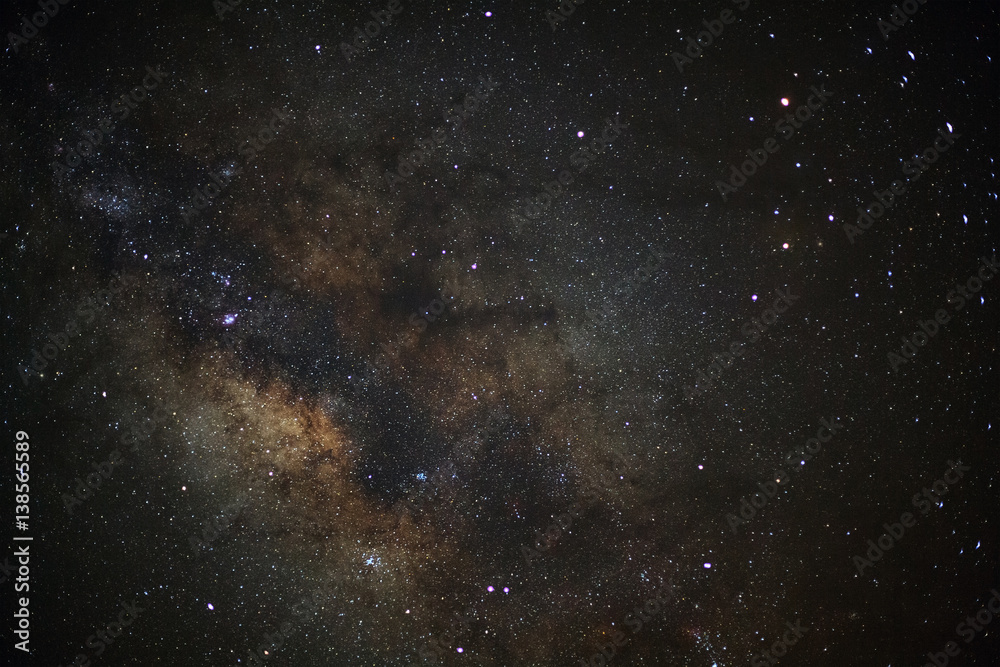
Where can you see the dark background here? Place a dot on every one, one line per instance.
(288, 387)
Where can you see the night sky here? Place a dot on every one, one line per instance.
(504, 334)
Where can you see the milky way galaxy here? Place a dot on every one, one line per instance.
(522, 335)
